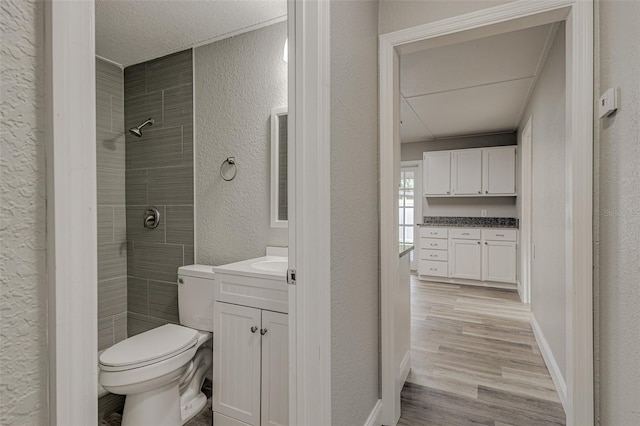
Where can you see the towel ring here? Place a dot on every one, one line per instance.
(231, 161)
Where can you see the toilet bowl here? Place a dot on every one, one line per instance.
(161, 371)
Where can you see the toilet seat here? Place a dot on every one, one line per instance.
(149, 348)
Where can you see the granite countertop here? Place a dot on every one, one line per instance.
(405, 248)
(470, 222)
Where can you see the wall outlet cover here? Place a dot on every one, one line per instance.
(483, 213)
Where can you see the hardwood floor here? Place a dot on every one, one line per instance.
(475, 361)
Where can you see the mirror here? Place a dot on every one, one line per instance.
(279, 217)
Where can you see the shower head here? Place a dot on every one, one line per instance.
(137, 131)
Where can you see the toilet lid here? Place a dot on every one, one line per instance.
(160, 343)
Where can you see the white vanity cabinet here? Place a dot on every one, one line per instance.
(250, 351)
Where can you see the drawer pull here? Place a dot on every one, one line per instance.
(433, 233)
(432, 255)
(499, 235)
(433, 269)
(254, 329)
(465, 233)
(478, 242)
(433, 245)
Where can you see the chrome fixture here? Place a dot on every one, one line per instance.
(151, 218)
(137, 131)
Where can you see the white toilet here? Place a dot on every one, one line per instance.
(161, 371)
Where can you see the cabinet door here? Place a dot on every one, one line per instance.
(436, 173)
(466, 172)
(499, 261)
(275, 369)
(236, 362)
(499, 171)
(465, 259)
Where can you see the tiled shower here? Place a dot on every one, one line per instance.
(137, 267)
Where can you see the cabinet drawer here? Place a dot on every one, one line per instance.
(434, 268)
(426, 254)
(500, 234)
(433, 244)
(465, 234)
(433, 232)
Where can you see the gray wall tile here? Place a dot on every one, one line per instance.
(117, 114)
(136, 187)
(156, 261)
(119, 327)
(156, 148)
(137, 232)
(169, 71)
(105, 224)
(138, 108)
(119, 224)
(103, 111)
(111, 186)
(171, 185)
(105, 333)
(109, 78)
(178, 106)
(135, 82)
(112, 297)
(179, 224)
(137, 323)
(189, 255)
(187, 144)
(163, 301)
(137, 295)
(110, 150)
(112, 261)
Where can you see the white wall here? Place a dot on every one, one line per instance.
(618, 214)
(548, 278)
(354, 213)
(464, 207)
(23, 291)
(237, 82)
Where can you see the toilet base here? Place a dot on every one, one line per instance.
(193, 407)
(157, 407)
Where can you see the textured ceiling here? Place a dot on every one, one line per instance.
(474, 87)
(133, 31)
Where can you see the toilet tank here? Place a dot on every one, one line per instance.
(195, 296)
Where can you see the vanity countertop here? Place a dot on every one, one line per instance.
(273, 267)
(405, 248)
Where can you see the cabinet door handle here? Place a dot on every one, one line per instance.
(499, 235)
(486, 192)
(263, 331)
(486, 243)
(254, 329)
(478, 242)
(479, 192)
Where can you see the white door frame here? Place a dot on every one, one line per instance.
(526, 230)
(578, 15)
(417, 211)
(72, 222)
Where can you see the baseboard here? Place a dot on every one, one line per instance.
(374, 416)
(550, 361)
(405, 366)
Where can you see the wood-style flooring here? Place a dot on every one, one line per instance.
(475, 360)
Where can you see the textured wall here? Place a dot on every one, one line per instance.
(159, 172)
(354, 214)
(112, 234)
(238, 81)
(619, 216)
(548, 284)
(467, 207)
(23, 291)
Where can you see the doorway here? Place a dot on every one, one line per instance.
(410, 207)
(501, 19)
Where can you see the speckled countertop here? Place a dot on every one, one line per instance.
(405, 248)
(471, 222)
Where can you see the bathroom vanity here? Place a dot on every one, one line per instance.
(251, 343)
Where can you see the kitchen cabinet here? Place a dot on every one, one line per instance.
(466, 259)
(466, 172)
(436, 173)
(480, 172)
(251, 368)
(499, 261)
(499, 171)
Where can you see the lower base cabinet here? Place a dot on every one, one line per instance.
(251, 366)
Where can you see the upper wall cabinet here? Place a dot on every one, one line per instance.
(437, 173)
(482, 172)
(499, 171)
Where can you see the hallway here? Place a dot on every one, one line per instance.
(474, 360)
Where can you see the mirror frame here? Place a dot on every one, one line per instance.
(275, 165)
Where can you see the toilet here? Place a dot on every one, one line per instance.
(161, 371)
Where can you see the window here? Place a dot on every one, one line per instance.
(407, 206)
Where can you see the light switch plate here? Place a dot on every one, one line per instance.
(608, 103)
